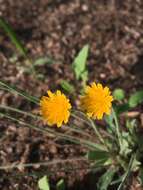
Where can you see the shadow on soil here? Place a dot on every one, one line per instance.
(89, 182)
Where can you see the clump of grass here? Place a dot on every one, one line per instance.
(118, 152)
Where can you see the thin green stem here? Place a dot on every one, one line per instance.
(97, 132)
(91, 123)
(79, 118)
(117, 127)
(76, 130)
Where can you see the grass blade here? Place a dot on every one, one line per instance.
(51, 132)
(20, 111)
(12, 35)
(14, 90)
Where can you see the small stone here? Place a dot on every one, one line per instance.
(84, 7)
(102, 75)
(53, 149)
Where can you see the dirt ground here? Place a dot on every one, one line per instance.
(58, 29)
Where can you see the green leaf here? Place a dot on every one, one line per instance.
(128, 171)
(12, 35)
(125, 149)
(136, 99)
(43, 61)
(84, 76)
(131, 125)
(102, 163)
(97, 155)
(43, 183)
(100, 158)
(122, 108)
(119, 94)
(79, 64)
(106, 179)
(136, 165)
(67, 86)
(60, 185)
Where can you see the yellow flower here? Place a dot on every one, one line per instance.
(96, 101)
(55, 108)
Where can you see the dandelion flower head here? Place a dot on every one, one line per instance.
(55, 108)
(96, 101)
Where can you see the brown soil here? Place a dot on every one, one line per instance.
(58, 29)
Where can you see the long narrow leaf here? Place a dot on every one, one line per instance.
(127, 172)
(106, 179)
(12, 35)
(14, 90)
(20, 111)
